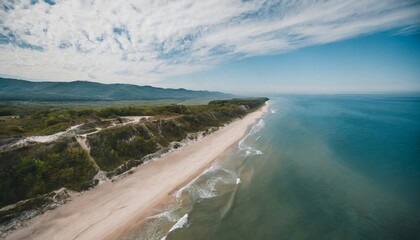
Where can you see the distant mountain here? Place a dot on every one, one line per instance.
(21, 90)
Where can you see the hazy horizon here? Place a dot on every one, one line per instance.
(248, 94)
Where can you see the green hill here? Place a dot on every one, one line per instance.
(21, 90)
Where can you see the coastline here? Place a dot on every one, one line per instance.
(110, 210)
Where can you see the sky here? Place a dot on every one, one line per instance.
(378, 63)
(226, 45)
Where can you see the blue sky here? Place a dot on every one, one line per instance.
(382, 62)
(227, 45)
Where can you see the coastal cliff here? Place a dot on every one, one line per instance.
(36, 171)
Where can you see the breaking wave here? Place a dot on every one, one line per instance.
(169, 214)
(180, 224)
(255, 129)
(220, 180)
(188, 186)
(206, 185)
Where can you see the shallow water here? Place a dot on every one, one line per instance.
(316, 167)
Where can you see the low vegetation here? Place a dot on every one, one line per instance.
(18, 120)
(36, 169)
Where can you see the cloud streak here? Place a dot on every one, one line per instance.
(143, 42)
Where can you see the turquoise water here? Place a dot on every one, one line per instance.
(316, 167)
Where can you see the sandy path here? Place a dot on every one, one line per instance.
(110, 209)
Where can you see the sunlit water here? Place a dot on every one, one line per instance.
(316, 167)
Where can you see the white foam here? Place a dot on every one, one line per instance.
(258, 138)
(170, 215)
(238, 180)
(258, 152)
(180, 224)
(208, 189)
(206, 192)
(255, 128)
(205, 187)
(241, 143)
(231, 173)
(181, 190)
(251, 151)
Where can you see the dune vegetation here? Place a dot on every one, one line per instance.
(105, 141)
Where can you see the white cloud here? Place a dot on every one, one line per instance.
(144, 41)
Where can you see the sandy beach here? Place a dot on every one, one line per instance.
(111, 209)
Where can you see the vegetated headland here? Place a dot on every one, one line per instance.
(49, 152)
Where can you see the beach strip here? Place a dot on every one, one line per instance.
(108, 211)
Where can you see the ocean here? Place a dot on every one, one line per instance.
(315, 167)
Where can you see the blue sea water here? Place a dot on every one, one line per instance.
(315, 167)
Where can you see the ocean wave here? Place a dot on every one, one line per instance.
(209, 190)
(156, 227)
(257, 127)
(206, 185)
(247, 153)
(218, 180)
(186, 187)
(206, 192)
(251, 151)
(180, 224)
(231, 173)
(254, 129)
(169, 215)
(197, 190)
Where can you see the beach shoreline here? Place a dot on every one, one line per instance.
(166, 201)
(113, 209)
